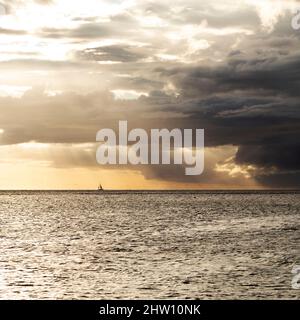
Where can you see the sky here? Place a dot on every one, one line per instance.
(71, 68)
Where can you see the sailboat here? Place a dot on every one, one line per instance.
(100, 188)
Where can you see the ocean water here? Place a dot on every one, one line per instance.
(147, 245)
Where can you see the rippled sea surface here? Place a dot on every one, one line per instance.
(84, 245)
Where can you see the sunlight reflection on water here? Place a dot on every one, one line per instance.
(125, 245)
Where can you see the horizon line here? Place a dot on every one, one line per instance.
(134, 190)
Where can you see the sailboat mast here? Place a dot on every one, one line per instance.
(100, 188)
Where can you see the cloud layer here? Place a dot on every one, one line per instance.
(231, 68)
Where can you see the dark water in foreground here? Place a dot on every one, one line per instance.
(172, 245)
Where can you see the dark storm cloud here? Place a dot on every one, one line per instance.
(280, 180)
(250, 103)
(251, 123)
(262, 75)
(285, 156)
